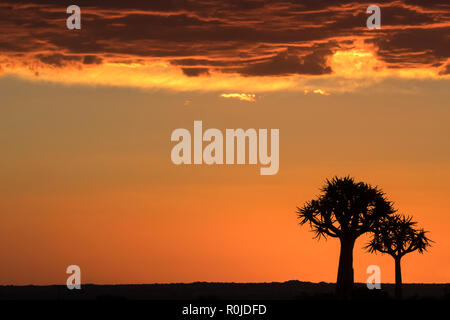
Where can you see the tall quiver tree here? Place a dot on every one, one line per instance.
(397, 235)
(345, 209)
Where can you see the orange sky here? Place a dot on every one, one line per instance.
(85, 172)
(87, 179)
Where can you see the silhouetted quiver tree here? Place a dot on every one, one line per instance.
(396, 235)
(345, 209)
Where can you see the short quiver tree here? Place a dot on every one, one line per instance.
(396, 235)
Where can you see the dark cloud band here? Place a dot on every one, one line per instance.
(251, 38)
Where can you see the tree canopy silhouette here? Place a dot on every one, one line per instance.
(396, 235)
(345, 209)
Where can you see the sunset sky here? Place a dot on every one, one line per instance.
(86, 118)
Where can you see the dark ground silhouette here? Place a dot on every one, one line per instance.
(290, 290)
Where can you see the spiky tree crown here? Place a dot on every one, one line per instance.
(397, 235)
(345, 208)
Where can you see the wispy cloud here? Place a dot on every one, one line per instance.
(240, 96)
(317, 91)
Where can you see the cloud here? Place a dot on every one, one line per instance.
(286, 63)
(215, 44)
(317, 91)
(60, 60)
(57, 59)
(240, 96)
(445, 70)
(414, 47)
(195, 72)
(91, 59)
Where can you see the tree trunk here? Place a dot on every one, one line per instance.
(398, 278)
(344, 283)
